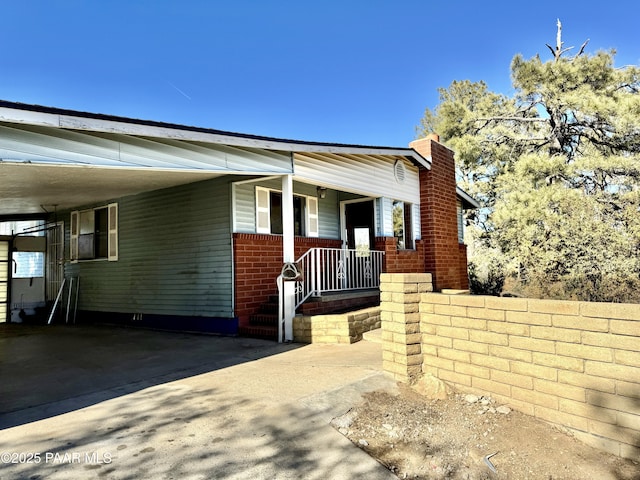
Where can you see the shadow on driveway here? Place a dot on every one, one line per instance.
(50, 370)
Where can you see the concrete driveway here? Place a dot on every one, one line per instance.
(116, 403)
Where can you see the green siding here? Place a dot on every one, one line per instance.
(328, 209)
(245, 206)
(174, 255)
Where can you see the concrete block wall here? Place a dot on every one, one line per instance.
(338, 328)
(400, 295)
(574, 364)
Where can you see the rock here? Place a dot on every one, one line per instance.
(503, 410)
(343, 421)
(471, 398)
(476, 455)
(363, 442)
(431, 387)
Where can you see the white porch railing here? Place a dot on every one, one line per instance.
(334, 269)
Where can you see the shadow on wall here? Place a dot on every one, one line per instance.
(618, 420)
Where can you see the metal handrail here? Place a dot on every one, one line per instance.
(336, 269)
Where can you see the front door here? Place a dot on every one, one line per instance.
(360, 224)
(360, 240)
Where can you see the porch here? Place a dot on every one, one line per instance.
(343, 305)
(327, 281)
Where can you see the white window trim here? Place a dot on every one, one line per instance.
(417, 231)
(412, 231)
(112, 234)
(74, 235)
(311, 213)
(263, 211)
(312, 216)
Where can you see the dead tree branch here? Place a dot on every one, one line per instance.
(559, 51)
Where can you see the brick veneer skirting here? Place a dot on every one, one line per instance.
(257, 264)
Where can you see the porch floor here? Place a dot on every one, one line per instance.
(340, 302)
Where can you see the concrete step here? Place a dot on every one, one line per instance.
(374, 336)
(264, 332)
(264, 319)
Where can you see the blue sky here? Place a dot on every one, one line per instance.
(350, 71)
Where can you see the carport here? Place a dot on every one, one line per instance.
(64, 169)
(53, 161)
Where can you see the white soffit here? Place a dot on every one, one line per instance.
(30, 188)
(60, 157)
(43, 165)
(54, 145)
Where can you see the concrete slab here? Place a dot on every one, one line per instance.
(373, 335)
(135, 404)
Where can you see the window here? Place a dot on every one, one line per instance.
(402, 225)
(269, 213)
(28, 264)
(29, 227)
(94, 233)
(27, 259)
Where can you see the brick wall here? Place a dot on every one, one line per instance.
(438, 216)
(575, 364)
(257, 264)
(400, 261)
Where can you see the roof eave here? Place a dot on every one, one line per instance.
(468, 202)
(62, 118)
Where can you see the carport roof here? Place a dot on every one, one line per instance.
(76, 120)
(57, 158)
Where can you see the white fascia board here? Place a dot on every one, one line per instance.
(141, 128)
(134, 168)
(29, 117)
(467, 198)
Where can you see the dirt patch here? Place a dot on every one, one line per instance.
(419, 438)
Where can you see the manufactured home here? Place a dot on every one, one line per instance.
(120, 220)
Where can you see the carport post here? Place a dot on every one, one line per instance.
(288, 255)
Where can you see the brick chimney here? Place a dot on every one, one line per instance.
(445, 258)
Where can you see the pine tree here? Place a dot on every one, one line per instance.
(556, 168)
